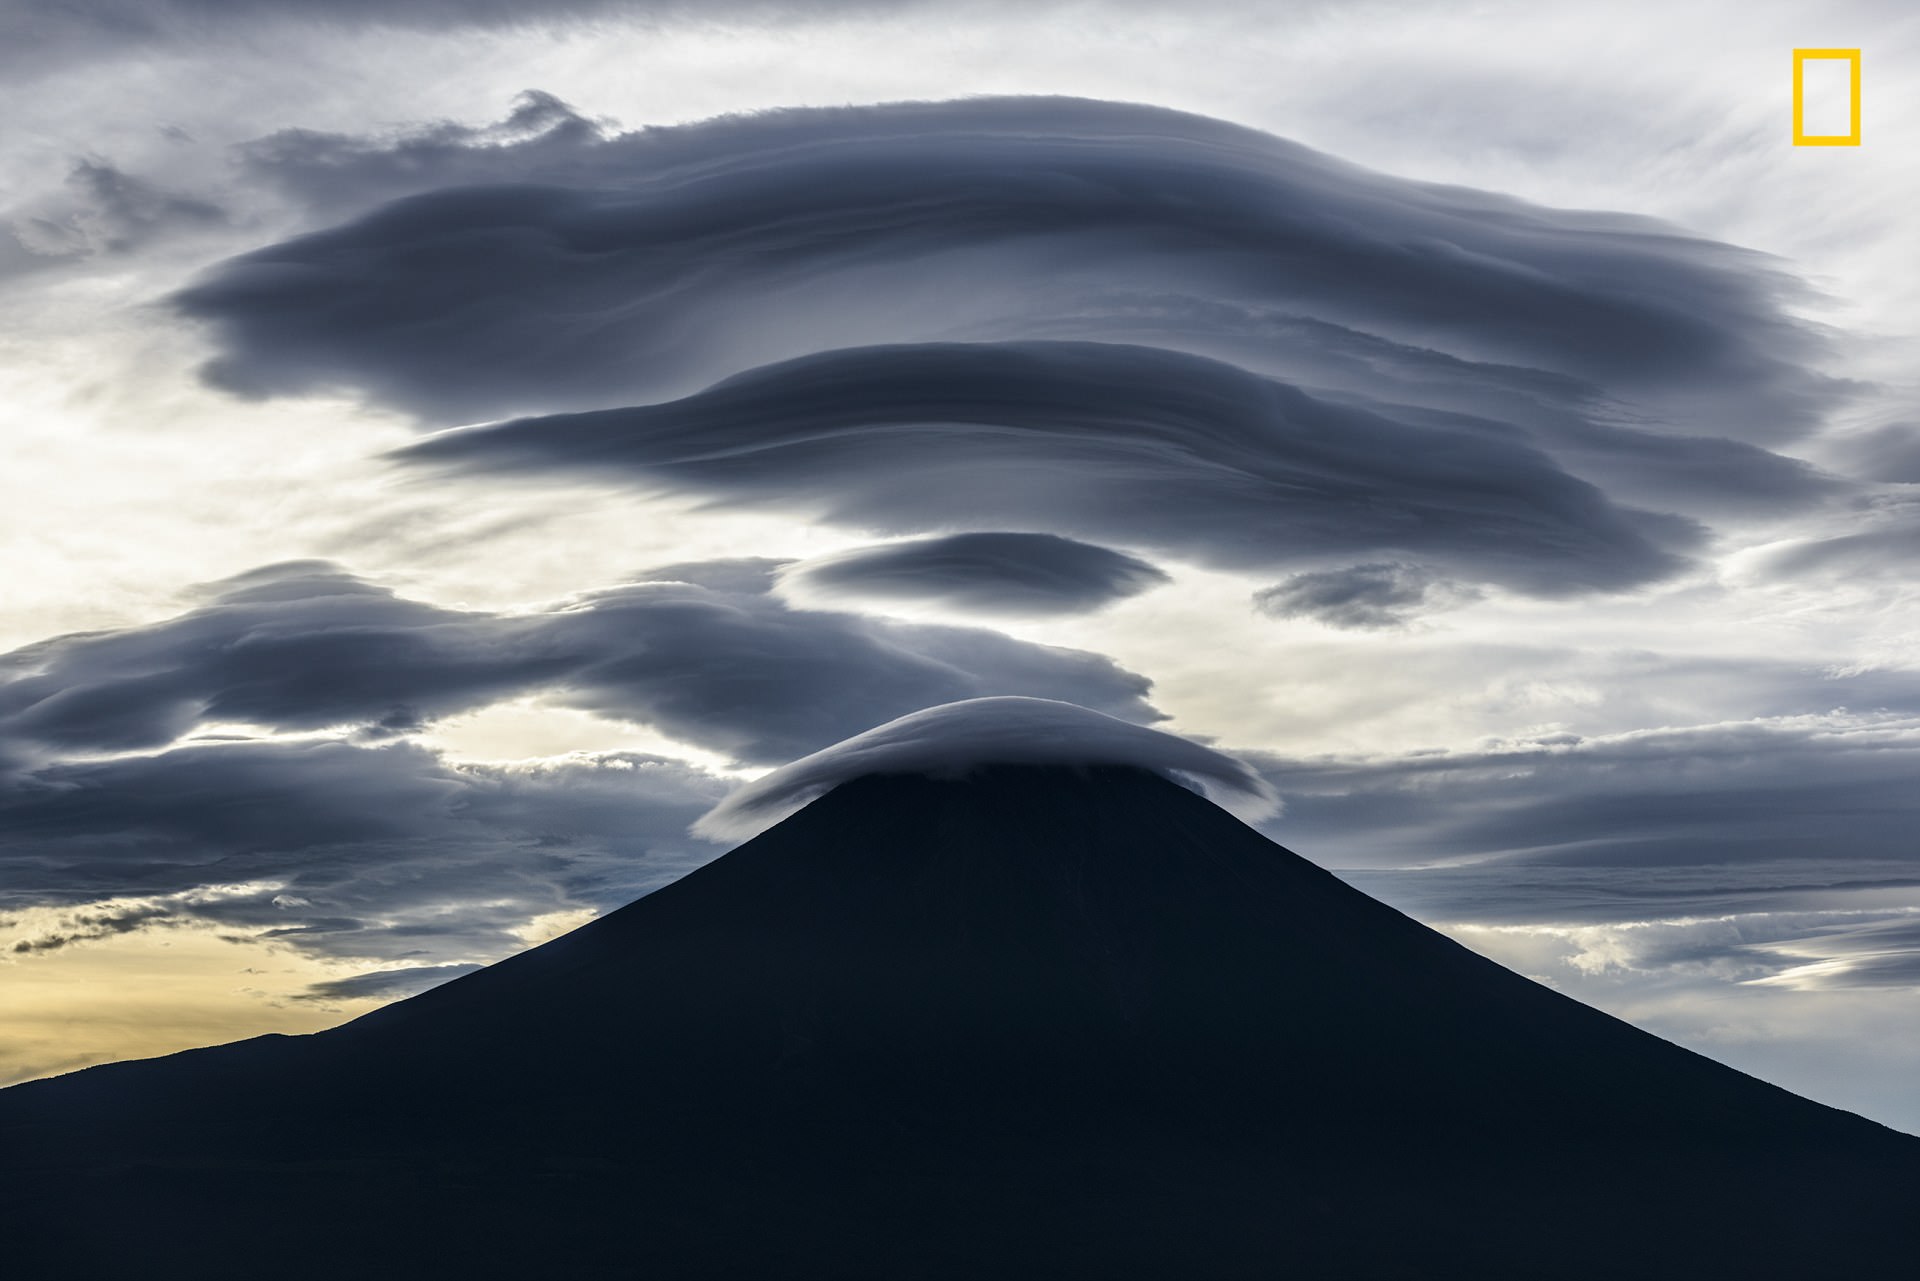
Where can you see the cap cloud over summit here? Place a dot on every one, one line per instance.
(957, 739)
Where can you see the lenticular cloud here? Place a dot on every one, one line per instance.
(568, 269)
(1191, 456)
(991, 572)
(955, 738)
(1099, 321)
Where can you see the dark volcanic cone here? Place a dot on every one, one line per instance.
(1038, 1022)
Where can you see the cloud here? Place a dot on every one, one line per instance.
(1784, 869)
(741, 673)
(704, 653)
(1884, 549)
(1888, 453)
(1062, 304)
(951, 740)
(95, 921)
(541, 137)
(1742, 947)
(1635, 455)
(1506, 892)
(105, 210)
(385, 853)
(988, 573)
(1842, 948)
(1192, 456)
(1363, 597)
(301, 645)
(570, 267)
(1836, 785)
(53, 34)
(394, 854)
(354, 843)
(1852, 952)
(544, 142)
(385, 984)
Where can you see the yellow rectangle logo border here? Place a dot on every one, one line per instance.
(1801, 138)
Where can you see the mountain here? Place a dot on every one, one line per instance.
(1038, 1021)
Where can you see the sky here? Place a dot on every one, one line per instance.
(451, 446)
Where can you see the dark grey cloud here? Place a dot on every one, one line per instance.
(541, 138)
(386, 853)
(1504, 892)
(990, 573)
(1836, 786)
(571, 267)
(336, 849)
(742, 673)
(193, 811)
(1888, 453)
(713, 659)
(1187, 455)
(302, 645)
(1807, 924)
(99, 922)
(1449, 366)
(544, 141)
(1381, 595)
(354, 847)
(1593, 434)
(1776, 852)
(385, 984)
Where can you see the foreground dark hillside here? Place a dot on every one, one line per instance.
(1040, 1023)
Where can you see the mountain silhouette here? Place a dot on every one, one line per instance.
(1036, 1021)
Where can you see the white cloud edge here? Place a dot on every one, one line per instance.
(953, 738)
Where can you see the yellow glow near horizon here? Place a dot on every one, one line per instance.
(156, 992)
(176, 984)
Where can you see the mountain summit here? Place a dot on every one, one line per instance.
(1032, 1019)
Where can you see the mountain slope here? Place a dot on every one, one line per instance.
(1043, 1021)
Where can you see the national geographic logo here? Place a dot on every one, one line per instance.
(1822, 100)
